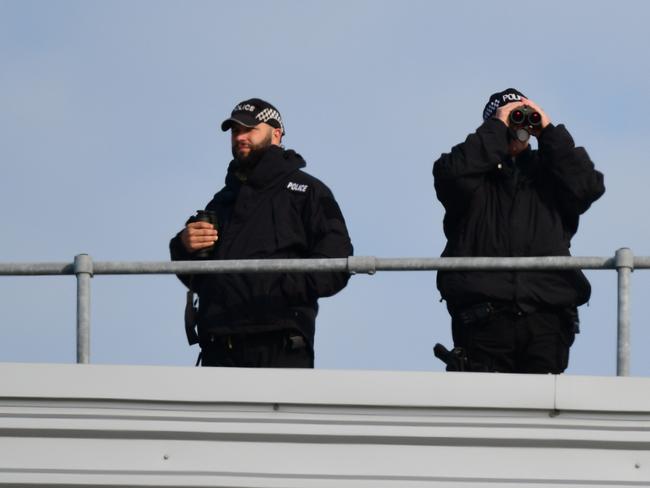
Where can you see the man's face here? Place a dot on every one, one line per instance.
(249, 140)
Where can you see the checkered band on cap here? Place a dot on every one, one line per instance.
(254, 111)
(490, 109)
(270, 114)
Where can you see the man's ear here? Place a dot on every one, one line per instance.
(276, 136)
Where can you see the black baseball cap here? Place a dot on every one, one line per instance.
(500, 99)
(254, 111)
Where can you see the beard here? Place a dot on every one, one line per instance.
(247, 162)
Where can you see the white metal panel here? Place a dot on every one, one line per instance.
(315, 464)
(117, 426)
(239, 385)
(622, 394)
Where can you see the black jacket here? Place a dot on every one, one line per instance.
(529, 207)
(278, 212)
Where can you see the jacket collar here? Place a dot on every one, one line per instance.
(527, 161)
(274, 165)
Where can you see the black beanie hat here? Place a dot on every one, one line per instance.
(500, 99)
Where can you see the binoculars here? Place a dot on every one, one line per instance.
(525, 116)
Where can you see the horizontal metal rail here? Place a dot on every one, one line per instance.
(624, 262)
(353, 264)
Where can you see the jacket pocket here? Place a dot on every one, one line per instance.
(289, 229)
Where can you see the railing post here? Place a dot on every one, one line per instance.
(83, 270)
(624, 261)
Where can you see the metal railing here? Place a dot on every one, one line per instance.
(624, 262)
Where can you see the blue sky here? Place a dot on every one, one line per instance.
(109, 139)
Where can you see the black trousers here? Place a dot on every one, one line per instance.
(509, 341)
(273, 349)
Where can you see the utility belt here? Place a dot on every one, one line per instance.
(458, 360)
(224, 345)
(291, 340)
(477, 313)
(227, 325)
(281, 332)
(482, 311)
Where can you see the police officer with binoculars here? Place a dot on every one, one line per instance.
(502, 198)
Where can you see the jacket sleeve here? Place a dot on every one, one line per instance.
(327, 237)
(177, 252)
(578, 184)
(459, 173)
